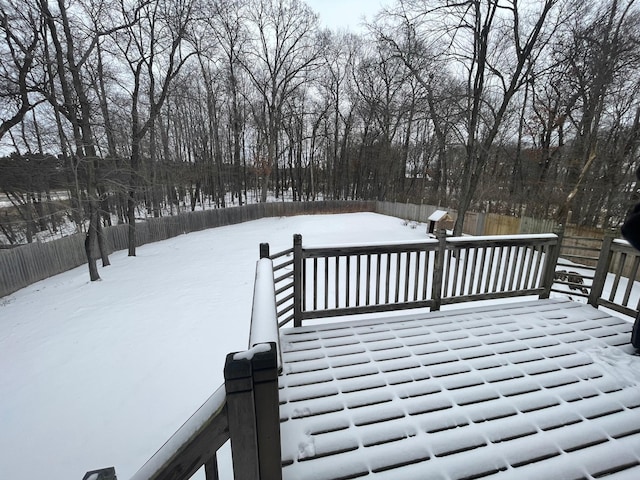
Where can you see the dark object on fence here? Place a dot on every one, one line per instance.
(573, 280)
(102, 474)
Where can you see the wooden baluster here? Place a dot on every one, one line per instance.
(298, 294)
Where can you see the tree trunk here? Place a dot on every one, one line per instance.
(90, 241)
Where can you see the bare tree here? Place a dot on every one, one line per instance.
(20, 37)
(335, 112)
(153, 47)
(225, 22)
(71, 52)
(493, 45)
(284, 46)
(601, 52)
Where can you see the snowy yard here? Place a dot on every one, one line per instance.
(101, 374)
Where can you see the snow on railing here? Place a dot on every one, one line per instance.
(264, 316)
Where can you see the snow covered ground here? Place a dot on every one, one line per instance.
(101, 374)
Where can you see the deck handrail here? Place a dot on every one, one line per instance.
(193, 445)
(264, 316)
(340, 280)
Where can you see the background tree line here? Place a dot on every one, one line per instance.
(147, 107)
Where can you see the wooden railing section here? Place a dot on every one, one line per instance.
(343, 280)
(613, 290)
(283, 282)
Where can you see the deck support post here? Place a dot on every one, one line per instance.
(251, 383)
(297, 280)
(550, 262)
(602, 268)
(438, 270)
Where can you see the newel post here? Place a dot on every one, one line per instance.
(602, 268)
(265, 388)
(551, 261)
(241, 413)
(297, 280)
(251, 384)
(264, 250)
(438, 271)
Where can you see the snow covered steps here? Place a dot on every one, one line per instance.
(546, 389)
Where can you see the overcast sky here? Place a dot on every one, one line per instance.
(346, 13)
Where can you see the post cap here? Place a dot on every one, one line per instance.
(236, 368)
(265, 360)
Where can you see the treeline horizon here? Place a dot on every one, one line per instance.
(495, 106)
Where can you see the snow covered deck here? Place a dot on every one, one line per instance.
(530, 390)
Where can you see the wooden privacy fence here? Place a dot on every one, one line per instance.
(26, 264)
(313, 282)
(474, 223)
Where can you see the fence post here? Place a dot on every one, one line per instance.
(602, 268)
(297, 280)
(241, 413)
(264, 250)
(438, 270)
(550, 262)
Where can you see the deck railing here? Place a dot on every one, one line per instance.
(615, 290)
(341, 280)
(306, 282)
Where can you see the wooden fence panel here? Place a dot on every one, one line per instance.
(36, 262)
(536, 225)
(23, 265)
(501, 225)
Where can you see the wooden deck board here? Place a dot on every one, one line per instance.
(548, 388)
